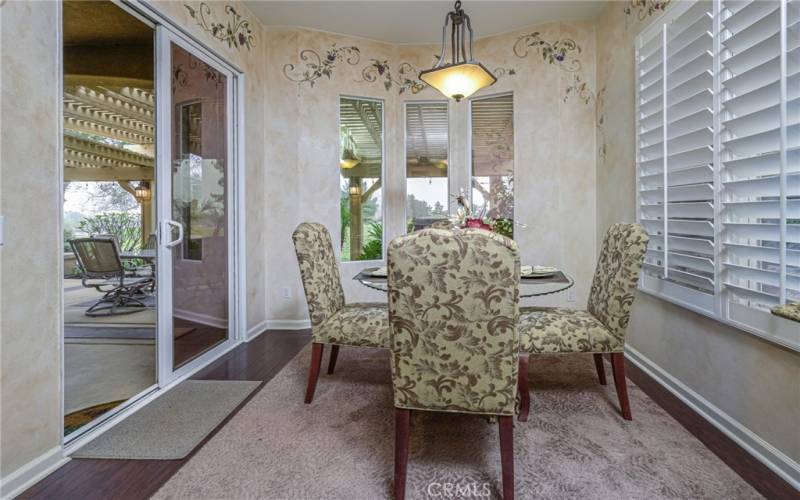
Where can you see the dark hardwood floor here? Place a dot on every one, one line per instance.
(751, 470)
(263, 358)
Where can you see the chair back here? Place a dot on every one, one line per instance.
(453, 310)
(319, 271)
(616, 276)
(97, 257)
(151, 243)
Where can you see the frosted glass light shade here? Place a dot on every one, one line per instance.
(458, 81)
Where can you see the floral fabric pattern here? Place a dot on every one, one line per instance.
(362, 325)
(616, 276)
(453, 311)
(332, 321)
(558, 330)
(319, 271)
(602, 326)
(788, 311)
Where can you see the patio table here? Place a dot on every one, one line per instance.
(146, 254)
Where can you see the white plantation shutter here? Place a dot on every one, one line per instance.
(718, 159)
(760, 162)
(675, 153)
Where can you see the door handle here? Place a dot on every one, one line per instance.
(177, 241)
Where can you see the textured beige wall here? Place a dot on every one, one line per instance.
(30, 354)
(30, 293)
(753, 381)
(554, 149)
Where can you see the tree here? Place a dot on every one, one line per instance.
(126, 227)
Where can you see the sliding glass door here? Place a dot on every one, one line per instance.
(196, 216)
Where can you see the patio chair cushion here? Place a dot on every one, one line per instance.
(359, 324)
(561, 330)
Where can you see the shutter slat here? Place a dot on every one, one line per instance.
(696, 121)
(742, 232)
(692, 86)
(700, 156)
(763, 209)
(761, 253)
(691, 227)
(701, 44)
(692, 175)
(690, 141)
(682, 109)
(754, 33)
(750, 14)
(694, 20)
(763, 186)
(692, 68)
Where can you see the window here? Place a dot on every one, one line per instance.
(718, 159)
(361, 169)
(427, 191)
(492, 136)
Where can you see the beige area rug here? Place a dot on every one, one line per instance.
(341, 446)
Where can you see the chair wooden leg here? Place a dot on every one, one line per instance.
(524, 393)
(601, 368)
(313, 370)
(618, 366)
(332, 360)
(506, 425)
(402, 420)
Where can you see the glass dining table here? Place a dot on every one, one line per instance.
(528, 286)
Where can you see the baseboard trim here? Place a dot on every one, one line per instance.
(288, 324)
(32, 472)
(255, 330)
(203, 319)
(762, 451)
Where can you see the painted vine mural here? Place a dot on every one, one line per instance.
(405, 81)
(563, 53)
(317, 66)
(645, 8)
(236, 32)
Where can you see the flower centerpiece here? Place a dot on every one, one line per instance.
(465, 218)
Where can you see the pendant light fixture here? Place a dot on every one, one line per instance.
(461, 77)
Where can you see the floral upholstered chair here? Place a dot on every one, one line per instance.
(601, 327)
(453, 308)
(332, 321)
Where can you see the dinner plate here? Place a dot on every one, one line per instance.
(380, 272)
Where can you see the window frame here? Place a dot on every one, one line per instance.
(718, 306)
(383, 172)
(468, 141)
(405, 154)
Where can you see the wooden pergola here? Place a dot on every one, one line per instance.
(109, 135)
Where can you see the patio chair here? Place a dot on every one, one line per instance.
(101, 269)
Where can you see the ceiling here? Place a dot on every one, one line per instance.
(102, 23)
(417, 22)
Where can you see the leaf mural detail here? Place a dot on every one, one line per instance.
(236, 32)
(405, 80)
(316, 66)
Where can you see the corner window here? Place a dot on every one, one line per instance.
(426, 156)
(492, 131)
(360, 172)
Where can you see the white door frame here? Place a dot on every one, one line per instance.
(165, 37)
(237, 279)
